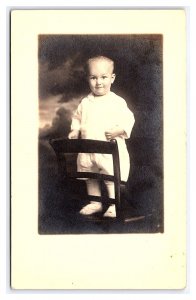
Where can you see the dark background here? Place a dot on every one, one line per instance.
(139, 80)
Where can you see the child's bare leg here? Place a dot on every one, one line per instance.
(111, 211)
(93, 189)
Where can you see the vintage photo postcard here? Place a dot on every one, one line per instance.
(98, 149)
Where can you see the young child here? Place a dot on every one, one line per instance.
(102, 115)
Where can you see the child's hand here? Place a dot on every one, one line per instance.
(113, 132)
(73, 134)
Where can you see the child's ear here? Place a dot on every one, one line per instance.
(113, 77)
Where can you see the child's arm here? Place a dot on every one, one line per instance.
(75, 124)
(124, 124)
(114, 132)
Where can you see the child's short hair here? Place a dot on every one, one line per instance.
(99, 57)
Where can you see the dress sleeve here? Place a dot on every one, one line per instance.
(76, 118)
(127, 120)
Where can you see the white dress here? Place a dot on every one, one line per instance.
(94, 116)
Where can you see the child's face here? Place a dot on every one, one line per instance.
(100, 77)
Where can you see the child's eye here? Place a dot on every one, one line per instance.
(104, 77)
(92, 78)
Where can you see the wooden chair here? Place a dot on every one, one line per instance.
(63, 146)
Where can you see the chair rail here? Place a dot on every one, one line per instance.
(62, 145)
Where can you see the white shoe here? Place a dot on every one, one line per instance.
(91, 208)
(110, 212)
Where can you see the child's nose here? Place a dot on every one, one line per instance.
(99, 81)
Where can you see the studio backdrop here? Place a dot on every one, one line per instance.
(62, 84)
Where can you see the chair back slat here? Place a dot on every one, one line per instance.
(62, 145)
(90, 175)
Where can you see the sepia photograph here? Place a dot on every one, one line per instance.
(101, 88)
